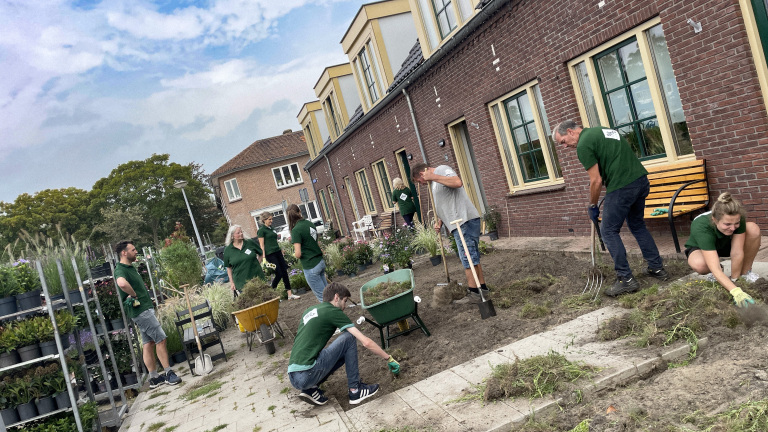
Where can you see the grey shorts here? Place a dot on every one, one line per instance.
(149, 326)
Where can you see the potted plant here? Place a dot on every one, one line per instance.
(9, 288)
(24, 398)
(66, 322)
(28, 347)
(29, 286)
(8, 344)
(7, 405)
(58, 385)
(44, 331)
(38, 381)
(492, 220)
(363, 255)
(425, 238)
(110, 305)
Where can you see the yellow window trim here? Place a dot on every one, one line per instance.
(400, 163)
(370, 211)
(351, 196)
(421, 27)
(386, 201)
(543, 135)
(756, 47)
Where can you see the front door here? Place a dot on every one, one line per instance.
(465, 157)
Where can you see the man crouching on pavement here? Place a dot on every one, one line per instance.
(311, 363)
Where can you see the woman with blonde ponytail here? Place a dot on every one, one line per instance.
(721, 233)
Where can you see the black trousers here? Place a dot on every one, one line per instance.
(281, 269)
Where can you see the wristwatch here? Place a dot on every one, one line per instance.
(593, 206)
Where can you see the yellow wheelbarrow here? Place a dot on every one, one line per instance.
(260, 322)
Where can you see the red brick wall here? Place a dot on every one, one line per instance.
(533, 40)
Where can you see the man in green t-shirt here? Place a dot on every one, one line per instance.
(143, 315)
(307, 250)
(311, 363)
(610, 161)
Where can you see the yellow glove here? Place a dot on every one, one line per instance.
(741, 298)
(393, 365)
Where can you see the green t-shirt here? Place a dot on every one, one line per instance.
(130, 274)
(404, 199)
(305, 234)
(706, 236)
(244, 262)
(618, 164)
(270, 239)
(318, 323)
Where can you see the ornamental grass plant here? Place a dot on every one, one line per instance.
(425, 238)
(47, 250)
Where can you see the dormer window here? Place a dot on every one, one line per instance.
(369, 74)
(446, 16)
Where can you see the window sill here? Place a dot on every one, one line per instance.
(290, 185)
(537, 190)
(235, 200)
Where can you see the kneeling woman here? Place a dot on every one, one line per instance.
(724, 232)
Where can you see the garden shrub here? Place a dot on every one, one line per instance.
(298, 280)
(9, 286)
(181, 264)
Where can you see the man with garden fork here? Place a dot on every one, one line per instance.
(452, 203)
(143, 315)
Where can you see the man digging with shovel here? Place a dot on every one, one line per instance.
(452, 203)
(140, 310)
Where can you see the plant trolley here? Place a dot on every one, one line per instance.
(260, 322)
(393, 309)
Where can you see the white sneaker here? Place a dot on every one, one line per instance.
(710, 277)
(293, 297)
(751, 276)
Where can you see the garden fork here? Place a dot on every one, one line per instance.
(595, 275)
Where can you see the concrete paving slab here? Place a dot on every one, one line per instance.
(443, 387)
(429, 411)
(477, 370)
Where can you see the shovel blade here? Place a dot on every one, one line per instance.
(203, 364)
(486, 309)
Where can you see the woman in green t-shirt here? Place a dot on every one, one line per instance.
(307, 250)
(272, 253)
(241, 258)
(720, 233)
(403, 197)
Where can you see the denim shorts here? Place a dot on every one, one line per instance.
(471, 231)
(149, 326)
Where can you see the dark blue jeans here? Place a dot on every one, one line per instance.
(342, 351)
(628, 203)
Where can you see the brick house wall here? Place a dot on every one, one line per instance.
(715, 74)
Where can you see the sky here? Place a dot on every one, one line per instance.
(87, 85)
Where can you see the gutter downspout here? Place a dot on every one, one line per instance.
(338, 195)
(415, 126)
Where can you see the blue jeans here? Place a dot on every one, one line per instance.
(628, 203)
(316, 279)
(471, 231)
(343, 351)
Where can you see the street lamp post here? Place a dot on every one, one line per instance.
(180, 185)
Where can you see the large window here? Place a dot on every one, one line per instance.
(382, 180)
(440, 18)
(309, 211)
(233, 192)
(287, 175)
(446, 16)
(352, 201)
(365, 191)
(527, 151)
(330, 111)
(368, 73)
(313, 149)
(630, 87)
(324, 202)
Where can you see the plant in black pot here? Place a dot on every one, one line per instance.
(492, 220)
(8, 344)
(9, 288)
(7, 403)
(67, 323)
(23, 395)
(426, 239)
(26, 332)
(110, 305)
(122, 350)
(58, 385)
(29, 285)
(44, 331)
(39, 382)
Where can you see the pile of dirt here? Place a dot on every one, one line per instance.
(255, 291)
(384, 290)
(445, 293)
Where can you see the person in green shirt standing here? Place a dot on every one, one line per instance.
(272, 253)
(241, 258)
(403, 197)
(311, 363)
(725, 232)
(610, 161)
(143, 315)
(307, 250)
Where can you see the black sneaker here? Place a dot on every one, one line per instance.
(623, 285)
(313, 396)
(659, 274)
(171, 378)
(364, 391)
(156, 382)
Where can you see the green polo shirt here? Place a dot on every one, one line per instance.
(404, 199)
(305, 234)
(270, 239)
(706, 236)
(133, 277)
(318, 323)
(618, 164)
(244, 262)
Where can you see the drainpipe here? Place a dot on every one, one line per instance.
(415, 126)
(336, 188)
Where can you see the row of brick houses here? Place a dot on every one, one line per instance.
(478, 85)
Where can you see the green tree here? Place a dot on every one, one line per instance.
(118, 224)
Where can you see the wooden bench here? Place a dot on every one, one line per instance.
(680, 188)
(386, 222)
(209, 334)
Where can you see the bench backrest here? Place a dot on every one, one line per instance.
(667, 179)
(203, 310)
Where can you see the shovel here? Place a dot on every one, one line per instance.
(486, 306)
(203, 362)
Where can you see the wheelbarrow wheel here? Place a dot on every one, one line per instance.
(266, 334)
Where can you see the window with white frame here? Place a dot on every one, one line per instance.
(521, 127)
(365, 191)
(233, 192)
(630, 86)
(287, 175)
(309, 211)
(382, 180)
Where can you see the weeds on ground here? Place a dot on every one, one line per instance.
(406, 429)
(158, 394)
(582, 301)
(518, 292)
(170, 428)
(749, 416)
(155, 426)
(206, 389)
(217, 428)
(533, 310)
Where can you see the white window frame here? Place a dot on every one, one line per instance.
(285, 184)
(233, 190)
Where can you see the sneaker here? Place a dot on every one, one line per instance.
(710, 278)
(171, 378)
(313, 396)
(470, 298)
(623, 286)
(156, 382)
(751, 276)
(364, 391)
(293, 297)
(659, 274)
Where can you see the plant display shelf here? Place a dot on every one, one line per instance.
(30, 362)
(22, 423)
(39, 309)
(103, 395)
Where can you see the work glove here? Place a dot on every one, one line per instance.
(131, 302)
(267, 265)
(594, 213)
(741, 298)
(394, 366)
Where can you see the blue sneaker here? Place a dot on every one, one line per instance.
(364, 391)
(313, 396)
(171, 378)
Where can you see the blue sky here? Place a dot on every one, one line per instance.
(90, 84)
